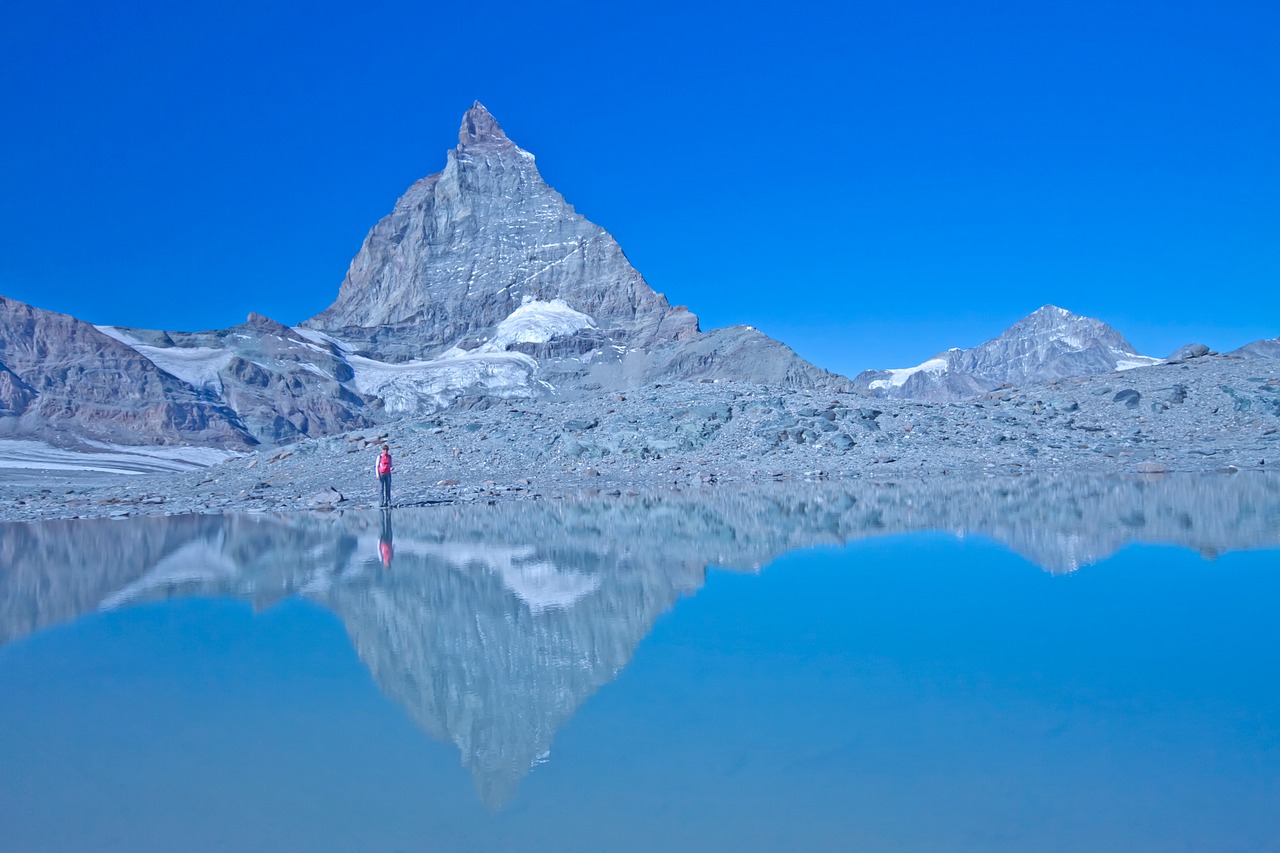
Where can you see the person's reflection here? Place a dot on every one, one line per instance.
(385, 549)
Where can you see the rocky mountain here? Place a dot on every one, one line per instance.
(466, 248)
(484, 282)
(481, 285)
(1269, 348)
(280, 384)
(65, 381)
(1048, 344)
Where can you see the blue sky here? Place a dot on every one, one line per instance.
(869, 182)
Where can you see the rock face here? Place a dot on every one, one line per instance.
(485, 262)
(1049, 344)
(481, 285)
(64, 381)
(281, 385)
(465, 248)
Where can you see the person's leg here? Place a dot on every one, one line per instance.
(386, 490)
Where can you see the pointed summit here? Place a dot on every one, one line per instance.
(479, 127)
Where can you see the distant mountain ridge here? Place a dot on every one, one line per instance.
(1050, 343)
(482, 285)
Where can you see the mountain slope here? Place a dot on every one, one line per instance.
(1269, 348)
(463, 249)
(482, 284)
(64, 381)
(486, 245)
(1050, 343)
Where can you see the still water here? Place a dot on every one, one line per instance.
(1002, 665)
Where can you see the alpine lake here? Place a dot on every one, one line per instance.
(995, 664)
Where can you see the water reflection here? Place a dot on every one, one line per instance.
(491, 624)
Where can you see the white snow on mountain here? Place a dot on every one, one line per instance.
(112, 458)
(197, 366)
(537, 322)
(534, 322)
(1050, 343)
(1136, 361)
(321, 338)
(900, 375)
(426, 386)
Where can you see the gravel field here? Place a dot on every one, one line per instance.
(1211, 414)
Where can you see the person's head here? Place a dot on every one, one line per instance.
(385, 450)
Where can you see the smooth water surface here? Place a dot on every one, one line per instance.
(816, 671)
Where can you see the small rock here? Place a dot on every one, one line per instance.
(1187, 352)
(1129, 397)
(327, 497)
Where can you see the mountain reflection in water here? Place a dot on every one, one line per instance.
(491, 624)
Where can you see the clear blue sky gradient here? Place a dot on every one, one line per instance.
(869, 182)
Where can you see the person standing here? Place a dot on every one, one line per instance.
(384, 475)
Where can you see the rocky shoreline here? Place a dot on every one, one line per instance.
(1211, 414)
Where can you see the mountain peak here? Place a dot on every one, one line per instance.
(479, 127)
(1049, 343)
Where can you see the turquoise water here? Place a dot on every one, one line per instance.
(909, 691)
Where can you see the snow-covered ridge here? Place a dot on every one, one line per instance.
(422, 386)
(899, 376)
(1136, 361)
(197, 366)
(317, 337)
(416, 386)
(427, 384)
(1048, 344)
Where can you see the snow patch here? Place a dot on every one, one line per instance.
(109, 458)
(197, 366)
(425, 386)
(323, 339)
(901, 375)
(534, 322)
(1136, 361)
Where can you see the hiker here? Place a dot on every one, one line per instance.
(384, 475)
